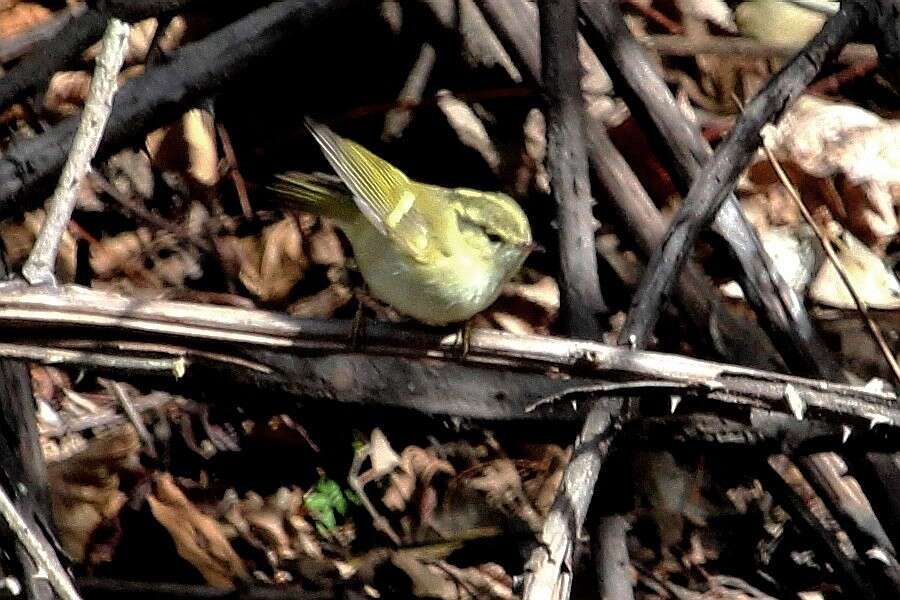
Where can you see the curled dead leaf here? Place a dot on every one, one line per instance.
(67, 92)
(439, 579)
(271, 263)
(468, 127)
(129, 172)
(141, 36)
(873, 281)
(322, 305)
(84, 488)
(325, 247)
(500, 482)
(113, 254)
(21, 16)
(197, 536)
(18, 239)
(418, 467)
(855, 150)
(187, 147)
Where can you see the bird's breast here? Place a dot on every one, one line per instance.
(450, 290)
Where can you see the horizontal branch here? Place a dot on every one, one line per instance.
(52, 313)
(682, 45)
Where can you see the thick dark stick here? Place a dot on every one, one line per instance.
(195, 72)
(22, 463)
(848, 572)
(735, 337)
(611, 558)
(49, 56)
(567, 166)
(549, 567)
(713, 184)
(54, 54)
(777, 305)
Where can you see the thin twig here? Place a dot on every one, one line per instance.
(240, 186)
(59, 356)
(135, 417)
(679, 45)
(549, 568)
(39, 267)
(848, 571)
(823, 238)
(43, 556)
(136, 208)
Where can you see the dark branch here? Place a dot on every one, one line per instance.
(716, 181)
(50, 56)
(195, 72)
(567, 166)
(777, 305)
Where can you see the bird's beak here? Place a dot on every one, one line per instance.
(535, 247)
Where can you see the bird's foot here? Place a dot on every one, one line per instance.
(358, 328)
(464, 339)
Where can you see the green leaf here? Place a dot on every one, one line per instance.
(325, 499)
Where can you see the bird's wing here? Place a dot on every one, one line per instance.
(387, 198)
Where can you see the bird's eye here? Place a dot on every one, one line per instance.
(494, 238)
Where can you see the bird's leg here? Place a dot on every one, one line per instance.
(358, 329)
(464, 338)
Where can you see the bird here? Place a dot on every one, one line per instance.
(783, 22)
(439, 255)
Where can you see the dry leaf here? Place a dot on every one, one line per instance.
(438, 579)
(418, 467)
(512, 323)
(85, 488)
(129, 172)
(542, 488)
(535, 136)
(871, 279)
(141, 36)
(853, 147)
(796, 254)
(468, 127)
(21, 17)
(715, 11)
(188, 147)
(384, 458)
(322, 305)
(67, 92)
(113, 255)
(197, 536)
(271, 263)
(325, 247)
(18, 239)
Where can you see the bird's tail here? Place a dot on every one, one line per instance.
(316, 193)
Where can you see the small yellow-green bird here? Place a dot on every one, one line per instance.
(438, 255)
(783, 22)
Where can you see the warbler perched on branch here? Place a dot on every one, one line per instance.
(436, 254)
